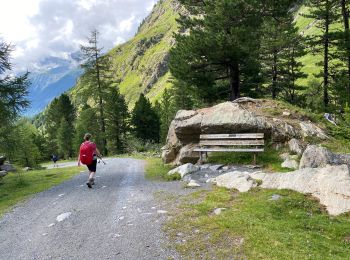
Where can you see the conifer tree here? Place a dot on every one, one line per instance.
(145, 120)
(117, 118)
(325, 13)
(87, 122)
(65, 139)
(219, 51)
(93, 68)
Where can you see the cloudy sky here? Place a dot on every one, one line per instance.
(55, 28)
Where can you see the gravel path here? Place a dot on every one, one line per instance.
(118, 219)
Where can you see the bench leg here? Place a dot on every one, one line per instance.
(200, 158)
(254, 160)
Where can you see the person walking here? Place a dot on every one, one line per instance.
(88, 154)
(54, 158)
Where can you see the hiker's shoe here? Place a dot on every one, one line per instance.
(89, 184)
(92, 181)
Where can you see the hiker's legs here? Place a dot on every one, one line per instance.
(92, 175)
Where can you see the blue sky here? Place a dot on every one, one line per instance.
(56, 28)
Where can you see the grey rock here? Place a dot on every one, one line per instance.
(193, 184)
(2, 160)
(204, 166)
(187, 155)
(286, 113)
(290, 163)
(27, 169)
(185, 169)
(295, 146)
(240, 181)
(316, 156)
(216, 167)
(275, 197)
(7, 167)
(218, 211)
(308, 129)
(3, 174)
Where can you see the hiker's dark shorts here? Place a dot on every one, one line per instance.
(92, 166)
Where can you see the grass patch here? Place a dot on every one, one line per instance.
(156, 170)
(254, 227)
(269, 159)
(16, 187)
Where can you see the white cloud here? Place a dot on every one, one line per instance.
(43, 28)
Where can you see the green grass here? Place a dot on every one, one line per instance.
(16, 187)
(254, 227)
(156, 170)
(269, 159)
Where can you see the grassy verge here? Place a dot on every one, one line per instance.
(269, 159)
(16, 187)
(156, 170)
(255, 227)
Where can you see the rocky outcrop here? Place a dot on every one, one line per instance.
(316, 156)
(244, 115)
(331, 184)
(295, 146)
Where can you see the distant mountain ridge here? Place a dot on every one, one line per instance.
(55, 77)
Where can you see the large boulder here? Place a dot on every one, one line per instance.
(331, 184)
(240, 181)
(244, 115)
(7, 167)
(316, 156)
(187, 155)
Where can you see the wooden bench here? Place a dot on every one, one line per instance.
(250, 142)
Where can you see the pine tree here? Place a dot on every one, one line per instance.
(65, 139)
(93, 77)
(59, 108)
(145, 120)
(325, 13)
(282, 46)
(25, 153)
(87, 122)
(13, 90)
(218, 53)
(166, 112)
(117, 117)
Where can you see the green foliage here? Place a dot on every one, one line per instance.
(87, 122)
(65, 138)
(145, 120)
(156, 170)
(255, 227)
(117, 121)
(60, 110)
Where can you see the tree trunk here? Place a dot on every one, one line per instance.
(274, 75)
(326, 60)
(234, 82)
(345, 13)
(99, 87)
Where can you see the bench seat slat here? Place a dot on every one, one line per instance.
(233, 136)
(230, 142)
(228, 150)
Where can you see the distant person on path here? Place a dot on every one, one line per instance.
(88, 154)
(54, 158)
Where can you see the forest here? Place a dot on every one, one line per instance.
(224, 50)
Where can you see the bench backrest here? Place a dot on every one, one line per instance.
(248, 139)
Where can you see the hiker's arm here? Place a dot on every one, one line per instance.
(98, 153)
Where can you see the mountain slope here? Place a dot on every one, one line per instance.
(141, 64)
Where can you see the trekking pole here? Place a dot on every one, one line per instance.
(102, 160)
